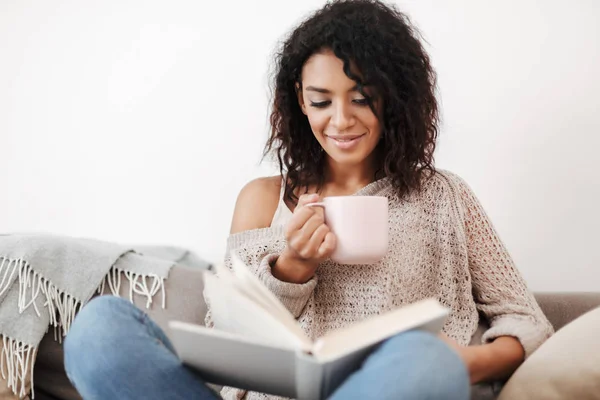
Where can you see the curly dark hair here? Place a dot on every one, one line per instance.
(382, 44)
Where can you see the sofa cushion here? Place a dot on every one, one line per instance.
(567, 366)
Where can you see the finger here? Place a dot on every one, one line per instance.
(316, 240)
(307, 199)
(318, 210)
(311, 225)
(301, 213)
(328, 245)
(310, 246)
(300, 238)
(298, 220)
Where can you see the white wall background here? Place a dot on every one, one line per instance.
(139, 121)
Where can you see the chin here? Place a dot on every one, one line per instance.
(349, 159)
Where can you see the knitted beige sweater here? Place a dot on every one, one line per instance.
(442, 245)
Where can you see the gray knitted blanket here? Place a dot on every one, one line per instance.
(45, 280)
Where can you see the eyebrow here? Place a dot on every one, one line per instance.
(327, 91)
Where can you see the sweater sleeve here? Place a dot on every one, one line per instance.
(259, 249)
(500, 291)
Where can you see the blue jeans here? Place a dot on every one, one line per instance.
(115, 351)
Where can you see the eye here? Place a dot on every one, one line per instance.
(320, 104)
(361, 102)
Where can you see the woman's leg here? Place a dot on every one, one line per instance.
(115, 351)
(414, 365)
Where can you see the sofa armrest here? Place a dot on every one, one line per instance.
(563, 307)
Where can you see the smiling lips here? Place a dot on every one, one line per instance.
(345, 142)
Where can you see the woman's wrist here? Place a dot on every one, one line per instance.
(483, 364)
(475, 359)
(292, 270)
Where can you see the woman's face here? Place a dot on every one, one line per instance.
(339, 115)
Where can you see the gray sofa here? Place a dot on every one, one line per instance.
(185, 303)
(560, 308)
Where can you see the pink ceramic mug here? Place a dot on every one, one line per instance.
(360, 224)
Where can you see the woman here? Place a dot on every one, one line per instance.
(354, 112)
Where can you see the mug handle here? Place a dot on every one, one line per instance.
(317, 204)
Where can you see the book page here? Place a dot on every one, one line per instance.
(428, 314)
(251, 282)
(236, 312)
(247, 283)
(233, 279)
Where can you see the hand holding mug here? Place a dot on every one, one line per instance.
(309, 241)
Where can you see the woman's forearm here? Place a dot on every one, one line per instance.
(494, 361)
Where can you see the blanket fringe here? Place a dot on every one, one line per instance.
(61, 306)
(16, 362)
(8, 267)
(16, 357)
(147, 285)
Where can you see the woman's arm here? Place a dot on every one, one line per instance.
(492, 361)
(496, 360)
(284, 260)
(308, 239)
(517, 324)
(256, 205)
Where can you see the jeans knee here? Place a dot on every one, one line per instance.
(437, 371)
(94, 334)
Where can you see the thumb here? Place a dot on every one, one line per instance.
(307, 199)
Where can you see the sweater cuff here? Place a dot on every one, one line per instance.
(530, 334)
(294, 296)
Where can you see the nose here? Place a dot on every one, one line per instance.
(342, 117)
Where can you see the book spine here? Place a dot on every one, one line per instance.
(309, 377)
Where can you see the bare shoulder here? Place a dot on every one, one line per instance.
(256, 204)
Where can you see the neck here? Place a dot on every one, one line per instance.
(347, 179)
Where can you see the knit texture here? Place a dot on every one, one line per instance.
(441, 245)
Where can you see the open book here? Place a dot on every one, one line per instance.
(256, 343)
